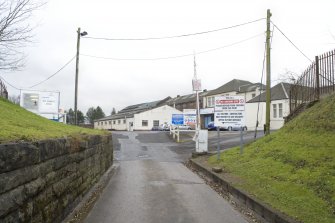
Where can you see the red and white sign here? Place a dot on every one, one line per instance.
(229, 111)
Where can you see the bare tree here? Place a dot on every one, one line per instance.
(15, 31)
(288, 76)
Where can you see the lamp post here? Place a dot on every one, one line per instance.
(79, 34)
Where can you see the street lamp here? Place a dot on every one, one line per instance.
(79, 34)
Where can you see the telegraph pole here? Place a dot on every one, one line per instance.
(268, 73)
(79, 34)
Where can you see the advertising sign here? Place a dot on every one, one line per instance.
(40, 102)
(190, 119)
(229, 111)
(177, 119)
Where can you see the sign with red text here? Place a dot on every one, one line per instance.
(229, 112)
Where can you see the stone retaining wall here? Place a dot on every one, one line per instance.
(43, 181)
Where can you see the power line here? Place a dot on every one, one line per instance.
(176, 36)
(54, 73)
(295, 46)
(9, 83)
(174, 57)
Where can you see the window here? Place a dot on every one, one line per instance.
(280, 110)
(119, 121)
(102, 123)
(105, 122)
(253, 95)
(211, 102)
(144, 122)
(98, 123)
(156, 123)
(110, 122)
(114, 122)
(274, 110)
(124, 121)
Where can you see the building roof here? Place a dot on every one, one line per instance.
(130, 111)
(186, 98)
(278, 92)
(233, 85)
(251, 87)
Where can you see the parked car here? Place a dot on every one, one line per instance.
(235, 127)
(183, 127)
(211, 127)
(164, 127)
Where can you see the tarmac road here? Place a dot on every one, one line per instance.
(152, 185)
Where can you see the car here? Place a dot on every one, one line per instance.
(211, 127)
(235, 127)
(183, 127)
(164, 127)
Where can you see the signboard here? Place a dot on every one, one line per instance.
(40, 102)
(48, 102)
(177, 119)
(189, 111)
(229, 111)
(196, 84)
(205, 111)
(190, 119)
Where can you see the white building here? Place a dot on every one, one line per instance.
(138, 117)
(279, 108)
(234, 87)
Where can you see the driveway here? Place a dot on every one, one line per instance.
(151, 184)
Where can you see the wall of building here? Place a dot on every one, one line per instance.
(275, 122)
(43, 181)
(163, 114)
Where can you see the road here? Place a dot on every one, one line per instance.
(152, 185)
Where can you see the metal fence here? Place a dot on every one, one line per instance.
(3, 90)
(315, 82)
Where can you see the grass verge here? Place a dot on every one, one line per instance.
(293, 169)
(17, 124)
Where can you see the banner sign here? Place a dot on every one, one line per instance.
(40, 102)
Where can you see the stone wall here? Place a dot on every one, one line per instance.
(45, 180)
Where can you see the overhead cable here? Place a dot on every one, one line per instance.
(9, 83)
(174, 57)
(54, 73)
(291, 42)
(175, 36)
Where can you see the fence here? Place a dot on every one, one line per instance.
(3, 90)
(315, 82)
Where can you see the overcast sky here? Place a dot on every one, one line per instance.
(119, 83)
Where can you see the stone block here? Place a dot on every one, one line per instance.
(14, 156)
(51, 148)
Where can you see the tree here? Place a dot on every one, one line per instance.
(70, 117)
(15, 31)
(113, 111)
(94, 113)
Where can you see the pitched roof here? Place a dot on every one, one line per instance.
(131, 110)
(278, 92)
(233, 85)
(186, 98)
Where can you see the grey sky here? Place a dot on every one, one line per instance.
(115, 83)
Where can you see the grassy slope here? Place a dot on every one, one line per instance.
(18, 124)
(293, 170)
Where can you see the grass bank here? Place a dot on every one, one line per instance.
(293, 169)
(18, 124)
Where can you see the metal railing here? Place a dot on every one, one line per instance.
(315, 82)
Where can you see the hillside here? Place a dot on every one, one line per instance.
(18, 124)
(293, 169)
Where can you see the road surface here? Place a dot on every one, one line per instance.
(152, 185)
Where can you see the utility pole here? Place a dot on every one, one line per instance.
(79, 34)
(268, 73)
